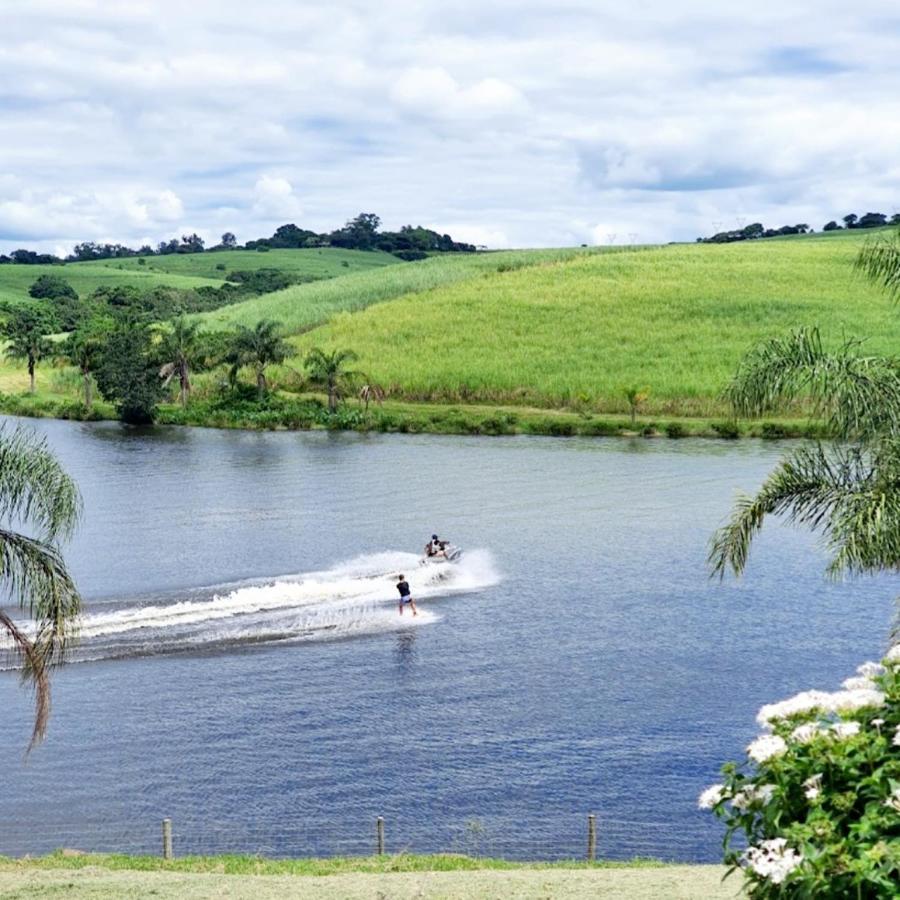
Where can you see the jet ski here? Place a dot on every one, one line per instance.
(449, 554)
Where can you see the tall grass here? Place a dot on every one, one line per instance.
(303, 306)
(676, 320)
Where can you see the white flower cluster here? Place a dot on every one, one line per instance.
(870, 669)
(858, 683)
(896, 740)
(892, 657)
(711, 796)
(845, 729)
(822, 701)
(813, 786)
(804, 733)
(765, 747)
(751, 795)
(893, 801)
(773, 859)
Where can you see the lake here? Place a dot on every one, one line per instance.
(243, 668)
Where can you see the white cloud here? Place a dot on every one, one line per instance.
(526, 122)
(433, 92)
(274, 197)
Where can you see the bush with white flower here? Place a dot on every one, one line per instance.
(814, 811)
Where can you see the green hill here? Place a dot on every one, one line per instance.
(674, 320)
(87, 277)
(325, 262)
(303, 306)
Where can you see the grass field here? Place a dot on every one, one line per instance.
(190, 270)
(325, 262)
(303, 306)
(543, 341)
(87, 277)
(675, 320)
(348, 879)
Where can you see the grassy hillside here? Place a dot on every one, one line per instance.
(300, 307)
(326, 262)
(190, 270)
(87, 277)
(675, 320)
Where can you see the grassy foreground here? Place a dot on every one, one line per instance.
(84, 876)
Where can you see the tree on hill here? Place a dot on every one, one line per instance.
(258, 347)
(181, 348)
(359, 233)
(25, 329)
(50, 287)
(84, 350)
(850, 220)
(831, 226)
(40, 507)
(328, 371)
(128, 374)
(872, 220)
(229, 241)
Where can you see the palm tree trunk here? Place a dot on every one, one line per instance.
(31, 372)
(261, 383)
(185, 378)
(88, 399)
(332, 395)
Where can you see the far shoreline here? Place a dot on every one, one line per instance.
(396, 417)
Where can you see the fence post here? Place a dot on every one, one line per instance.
(167, 838)
(379, 833)
(592, 838)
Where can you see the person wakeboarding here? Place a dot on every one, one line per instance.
(405, 595)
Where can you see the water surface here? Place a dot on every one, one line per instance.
(244, 671)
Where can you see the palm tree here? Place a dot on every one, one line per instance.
(181, 346)
(35, 491)
(369, 392)
(84, 349)
(259, 347)
(849, 489)
(327, 370)
(636, 398)
(25, 331)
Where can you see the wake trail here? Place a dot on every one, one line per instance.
(353, 598)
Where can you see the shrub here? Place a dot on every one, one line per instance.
(649, 430)
(599, 428)
(772, 431)
(675, 430)
(817, 800)
(727, 430)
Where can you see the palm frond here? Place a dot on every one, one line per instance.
(879, 261)
(850, 495)
(35, 671)
(36, 579)
(34, 486)
(859, 396)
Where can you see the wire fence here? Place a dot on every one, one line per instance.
(587, 837)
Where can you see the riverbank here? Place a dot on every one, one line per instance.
(96, 876)
(296, 412)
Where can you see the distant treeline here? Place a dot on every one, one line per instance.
(757, 230)
(360, 233)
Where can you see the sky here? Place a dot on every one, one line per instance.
(508, 124)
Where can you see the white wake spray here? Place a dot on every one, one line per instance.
(352, 598)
